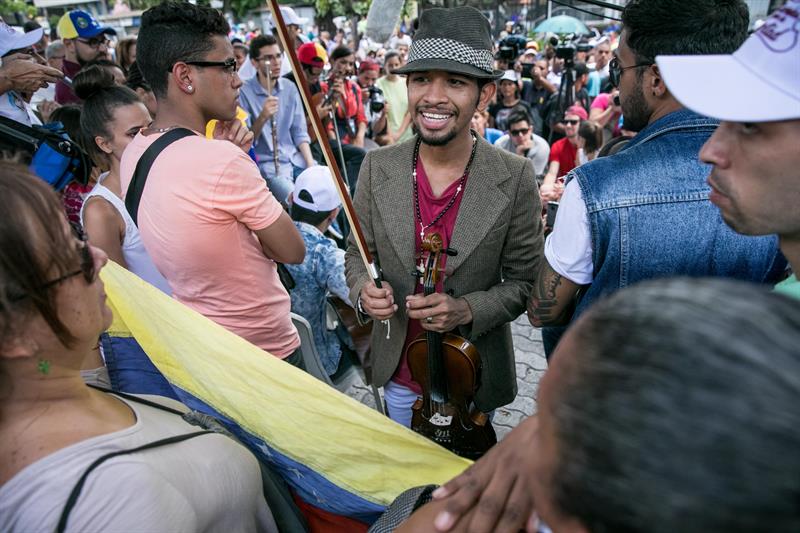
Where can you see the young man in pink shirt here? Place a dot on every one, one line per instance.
(205, 216)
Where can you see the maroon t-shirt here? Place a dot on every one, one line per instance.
(64, 92)
(429, 208)
(564, 152)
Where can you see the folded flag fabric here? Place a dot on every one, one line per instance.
(336, 453)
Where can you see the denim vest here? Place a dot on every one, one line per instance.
(650, 215)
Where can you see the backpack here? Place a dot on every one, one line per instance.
(47, 150)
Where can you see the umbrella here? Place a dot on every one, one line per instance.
(562, 24)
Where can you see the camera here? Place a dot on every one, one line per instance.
(511, 47)
(376, 100)
(565, 49)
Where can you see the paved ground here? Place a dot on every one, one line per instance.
(531, 365)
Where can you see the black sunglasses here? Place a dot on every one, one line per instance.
(229, 65)
(615, 70)
(87, 261)
(516, 133)
(571, 122)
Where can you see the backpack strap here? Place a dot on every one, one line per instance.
(136, 186)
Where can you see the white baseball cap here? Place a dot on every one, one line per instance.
(760, 82)
(510, 75)
(318, 182)
(11, 39)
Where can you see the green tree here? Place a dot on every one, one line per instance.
(16, 11)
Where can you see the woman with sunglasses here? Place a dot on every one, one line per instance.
(112, 116)
(54, 427)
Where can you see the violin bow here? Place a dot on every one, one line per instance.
(322, 135)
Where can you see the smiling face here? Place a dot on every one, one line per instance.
(756, 176)
(442, 104)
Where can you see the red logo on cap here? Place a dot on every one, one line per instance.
(782, 31)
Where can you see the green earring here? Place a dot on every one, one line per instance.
(44, 366)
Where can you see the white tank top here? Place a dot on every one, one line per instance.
(133, 250)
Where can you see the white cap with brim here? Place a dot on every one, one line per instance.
(318, 182)
(11, 40)
(760, 82)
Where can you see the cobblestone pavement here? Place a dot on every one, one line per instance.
(529, 355)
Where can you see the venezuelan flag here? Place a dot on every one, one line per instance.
(337, 454)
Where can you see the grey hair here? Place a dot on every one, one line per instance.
(681, 411)
(53, 48)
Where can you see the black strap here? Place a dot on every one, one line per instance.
(76, 491)
(136, 186)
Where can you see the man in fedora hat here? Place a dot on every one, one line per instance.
(447, 180)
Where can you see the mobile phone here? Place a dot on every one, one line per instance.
(527, 70)
(552, 210)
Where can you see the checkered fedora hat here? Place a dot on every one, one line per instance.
(456, 39)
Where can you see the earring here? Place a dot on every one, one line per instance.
(43, 366)
(190, 88)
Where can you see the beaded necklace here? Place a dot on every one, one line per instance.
(422, 226)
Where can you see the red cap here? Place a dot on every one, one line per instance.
(368, 64)
(577, 110)
(312, 54)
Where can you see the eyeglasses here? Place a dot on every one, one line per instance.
(87, 261)
(517, 133)
(96, 42)
(615, 70)
(269, 58)
(571, 122)
(229, 65)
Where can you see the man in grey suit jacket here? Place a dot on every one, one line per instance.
(482, 200)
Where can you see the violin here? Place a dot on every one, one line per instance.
(448, 368)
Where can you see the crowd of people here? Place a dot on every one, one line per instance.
(552, 183)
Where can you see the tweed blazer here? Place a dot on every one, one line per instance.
(498, 237)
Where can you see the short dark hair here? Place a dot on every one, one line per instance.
(592, 134)
(301, 214)
(260, 42)
(172, 32)
(678, 411)
(518, 114)
(340, 52)
(101, 97)
(390, 54)
(677, 27)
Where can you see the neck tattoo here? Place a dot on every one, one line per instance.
(422, 225)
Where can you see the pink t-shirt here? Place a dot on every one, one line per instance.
(602, 101)
(202, 202)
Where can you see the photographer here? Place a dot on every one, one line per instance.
(374, 103)
(562, 99)
(536, 90)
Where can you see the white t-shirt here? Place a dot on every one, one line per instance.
(568, 248)
(207, 483)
